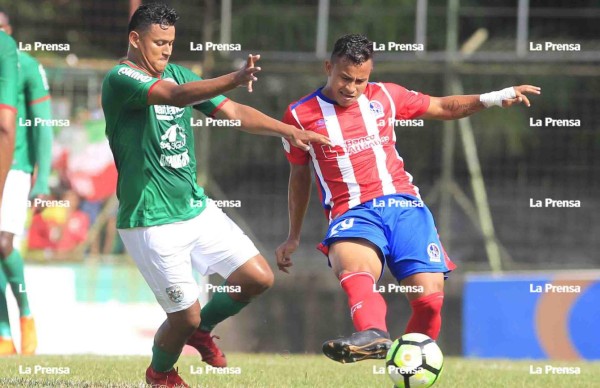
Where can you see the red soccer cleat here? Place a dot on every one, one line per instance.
(168, 379)
(28, 336)
(203, 342)
(7, 347)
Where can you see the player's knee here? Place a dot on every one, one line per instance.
(186, 321)
(429, 305)
(189, 323)
(262, 282)
(6, 245)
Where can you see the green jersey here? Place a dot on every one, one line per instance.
(9, 70)
(33, 104)
(153, 147)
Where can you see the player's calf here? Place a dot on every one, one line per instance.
(426, 315)
(426, 304)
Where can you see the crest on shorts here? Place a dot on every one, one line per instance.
(434, 252)
(175, 293)
(376, 108)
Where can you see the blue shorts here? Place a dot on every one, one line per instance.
(402, 227)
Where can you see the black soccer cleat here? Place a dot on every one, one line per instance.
(362, 345)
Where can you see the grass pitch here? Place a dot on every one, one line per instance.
(283, 370)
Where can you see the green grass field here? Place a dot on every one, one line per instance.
(283, 370)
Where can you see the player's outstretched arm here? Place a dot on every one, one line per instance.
(457, 107)
(169, 93)
(259, 123)
(298, 197)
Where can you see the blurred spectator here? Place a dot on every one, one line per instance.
(59, 228)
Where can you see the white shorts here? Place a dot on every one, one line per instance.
(165, 254)
(13, 213)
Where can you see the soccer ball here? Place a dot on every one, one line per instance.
(414, 361)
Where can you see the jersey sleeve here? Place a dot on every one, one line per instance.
(294, 154)
(9, 72)
(409, 104)
(37, 96)
(36, 89)
(208, 107)
(130, 87)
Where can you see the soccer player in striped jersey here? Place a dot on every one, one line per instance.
(33, 147)
(375, 213)
(164, 218)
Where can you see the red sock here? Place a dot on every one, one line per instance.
(426, 317)
(367, 306)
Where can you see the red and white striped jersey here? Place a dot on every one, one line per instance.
(362, 163)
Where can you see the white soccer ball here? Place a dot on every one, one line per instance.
(414, 361)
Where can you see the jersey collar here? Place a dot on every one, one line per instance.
(133, 65)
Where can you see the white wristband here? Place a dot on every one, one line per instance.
(496, 98)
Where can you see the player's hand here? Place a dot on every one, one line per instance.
(520, 95)
(246, 75)
(38, 202)
(284, 254)
(301, 139)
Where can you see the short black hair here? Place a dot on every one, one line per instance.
(152, 13)
(354, 47)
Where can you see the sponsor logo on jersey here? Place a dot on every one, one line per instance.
(434, 252)
(168, 112)
(175, 293)
(354, 146)
(173, 139)
(376, 108)
(136, 75)
(175, 161)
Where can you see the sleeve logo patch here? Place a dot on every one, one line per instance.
(136, 75)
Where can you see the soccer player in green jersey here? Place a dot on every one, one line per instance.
(8, 103)
(33, 148)
(165, 219)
